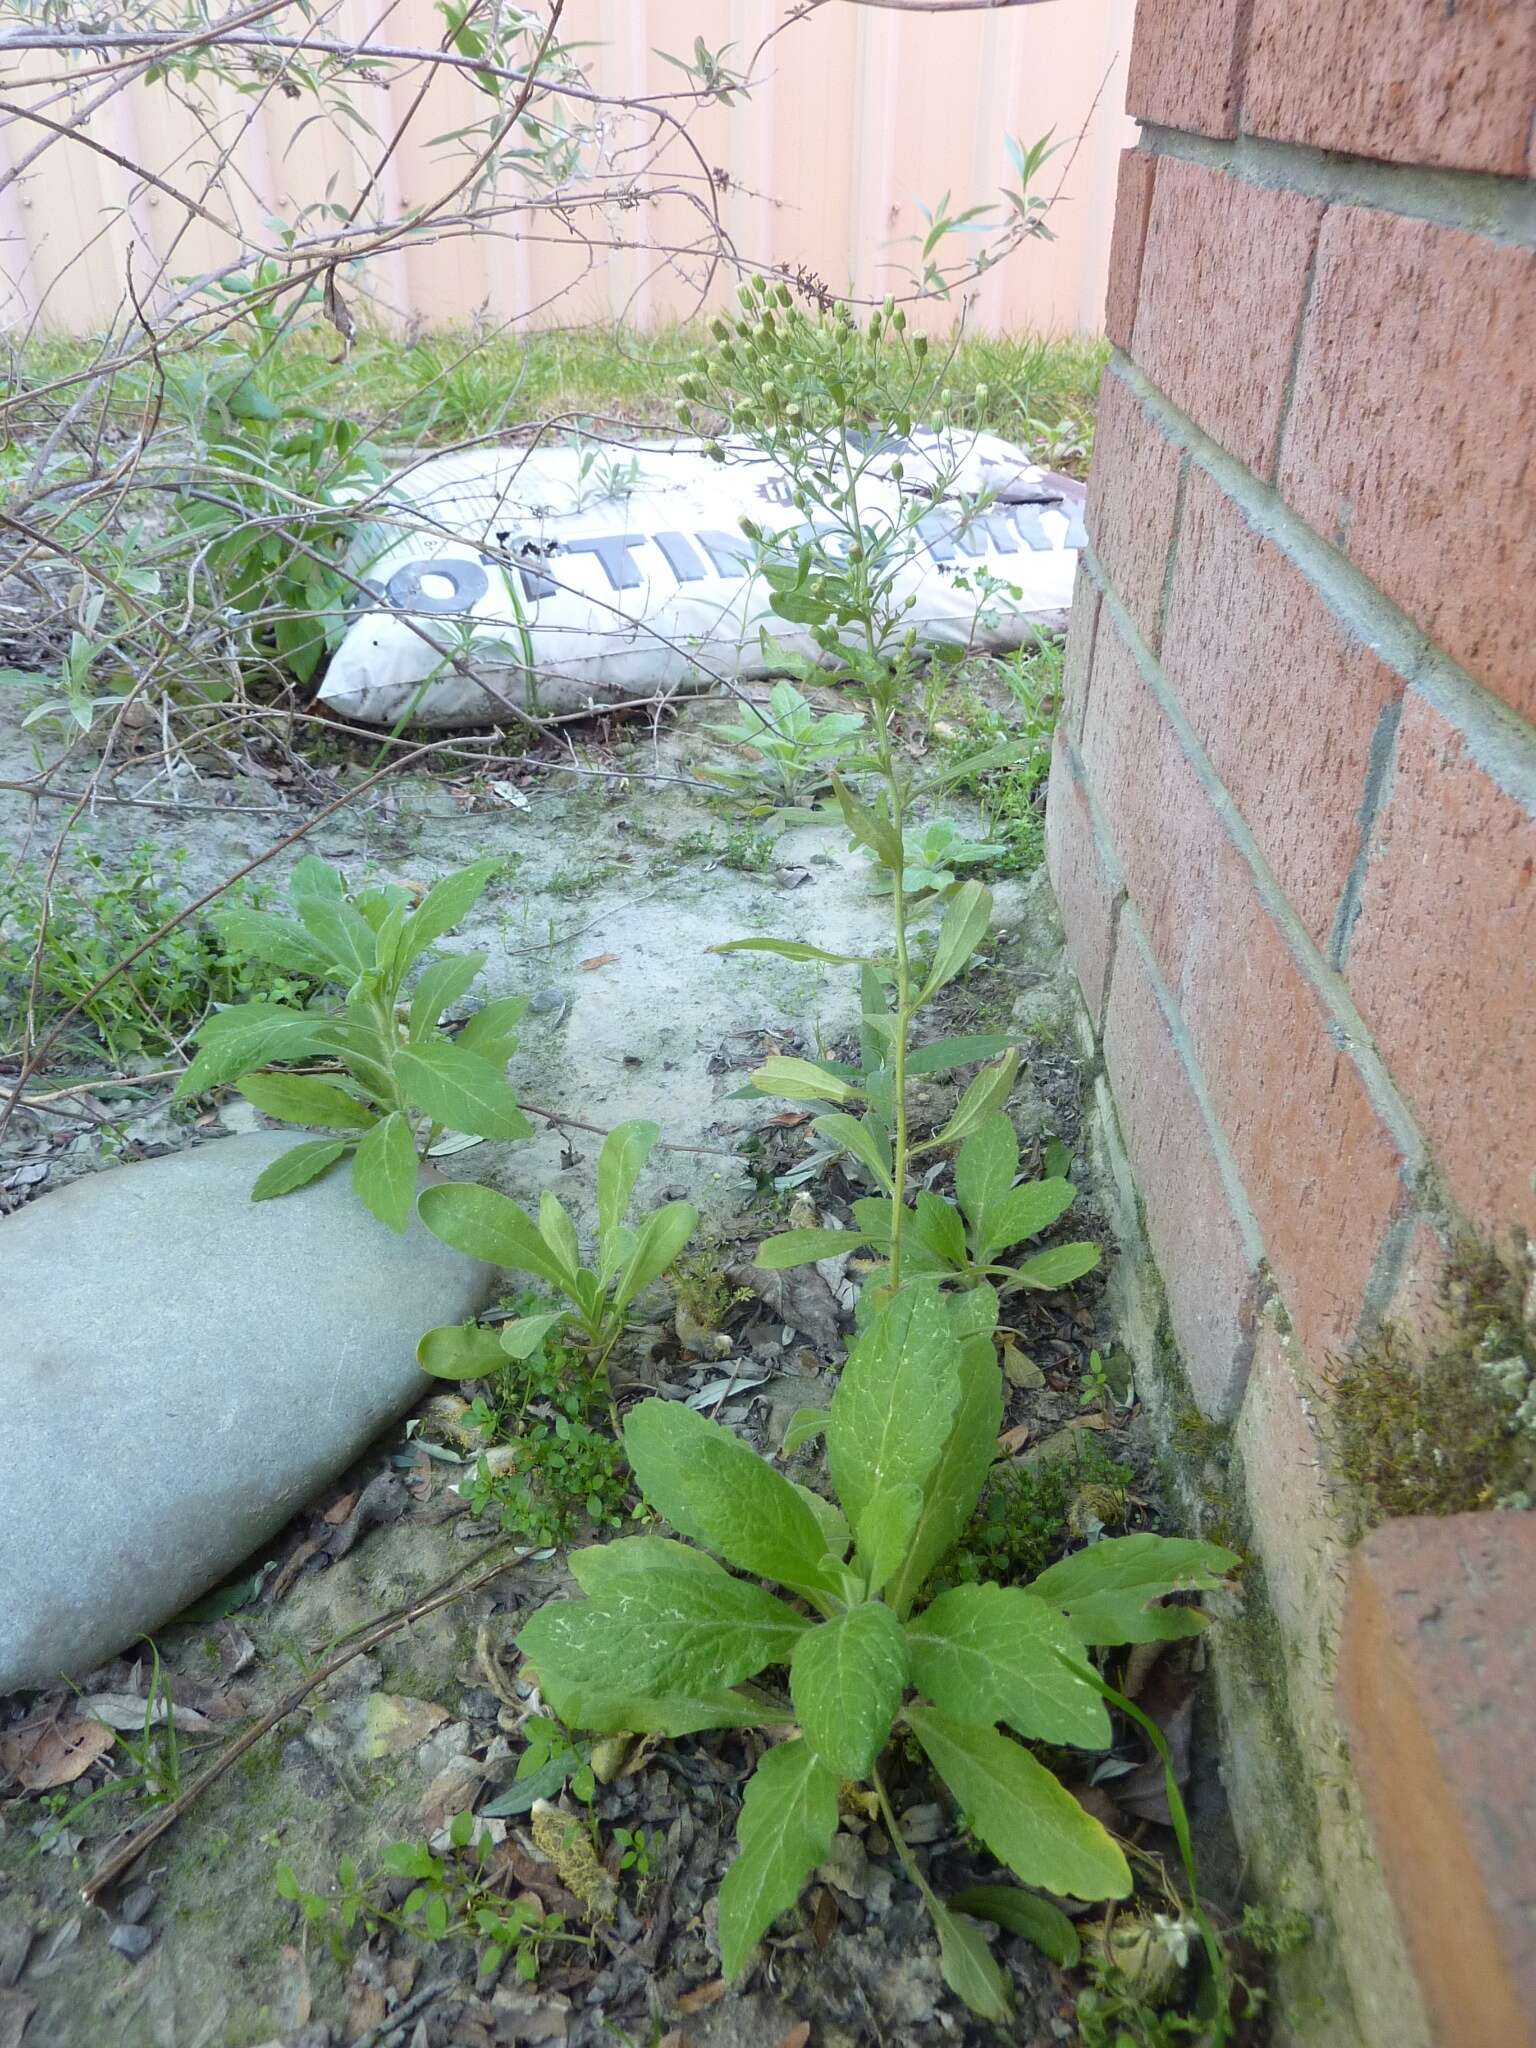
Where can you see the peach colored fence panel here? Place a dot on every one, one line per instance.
(857, 117)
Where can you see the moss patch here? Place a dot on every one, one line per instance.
(1448, 1425)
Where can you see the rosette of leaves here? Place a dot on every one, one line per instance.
(402, 1080)
(668, 1638)
(489, 1226)
(795, 748)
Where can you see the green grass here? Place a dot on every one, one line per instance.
(450, 387)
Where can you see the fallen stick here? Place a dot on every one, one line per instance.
(122, 1860)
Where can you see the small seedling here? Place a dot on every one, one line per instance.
(405, 1080)
(485, 1225)
(566, 1471)
(452, 1895)
(795, 750)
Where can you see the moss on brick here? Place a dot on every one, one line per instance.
(1435, 1427)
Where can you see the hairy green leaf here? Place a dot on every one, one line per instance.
(846, 1680)
(801, 1081)
(886, 1529)
(296, 1167)
(492, 1031)
(661, 1619)
(657, 1243)
(961, 1471)
(1110, 1590)
(1058, 1267)
(938, 1225)
(965, 925)
(1024, 1212)
(625, 1151)
(1024, 1815)
(439, 988)
(710, 1486)
(296, 1099)
(860, 1140)
(788, 1819)
(805, 1425)
(993, 1653)
(831, 1519)
(231, 1042)
(460, 1351)
(315, 881)
(559, 1233)
(788, 949)
(895, 1401)
(969, 1967)
(804, 1248)
(384, 1171)
(868, 827)
(983, 1098)
(1023, 1913)
(945, 1054)
(341, 931)
(446, 904)
(524, 1334)
(461, 1091)
(671, 1714)
(487, 1226)
(280, 941)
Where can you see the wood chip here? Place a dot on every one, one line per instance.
(598, 960)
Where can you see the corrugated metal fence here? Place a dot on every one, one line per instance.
(861, 114)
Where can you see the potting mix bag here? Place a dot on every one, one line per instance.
(565, 577)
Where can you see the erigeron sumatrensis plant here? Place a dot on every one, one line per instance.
(667, 1638)
(826, 402)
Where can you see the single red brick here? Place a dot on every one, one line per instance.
(1077, 664)
(1321, 1170)
(1437, 1672)
(1223, 284)
(1285, 702)
(1409, 437)
(1186, 62)
(1082, 875)
(1210, 1268)
(1450, 85)
(1442, 964)
(1133, 199)
(1133, 492)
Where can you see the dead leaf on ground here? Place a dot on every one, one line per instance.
(1019, 1370)
(46, 1758)
(824, 1921)
(705, 1995)
(797, 2037)
(393, 1724)
(802, 1299)
(598, 960)
(339, 1510)
(1013, 1440)
(127, 1711)
(788, 1119)
(1169, 1699)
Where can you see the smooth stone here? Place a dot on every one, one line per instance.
(181, 1370)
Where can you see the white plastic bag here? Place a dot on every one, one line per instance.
(558, 578)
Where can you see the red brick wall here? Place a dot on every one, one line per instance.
(1292, 819)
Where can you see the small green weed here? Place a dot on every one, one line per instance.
(453, 1895)
(97, 914)
(566, 1471)
(1024, 1520)
(639, 1849)
(568, 882)
(750, 853)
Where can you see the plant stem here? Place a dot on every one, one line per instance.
(898, 1840)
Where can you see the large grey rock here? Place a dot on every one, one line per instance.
(180, 1370)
